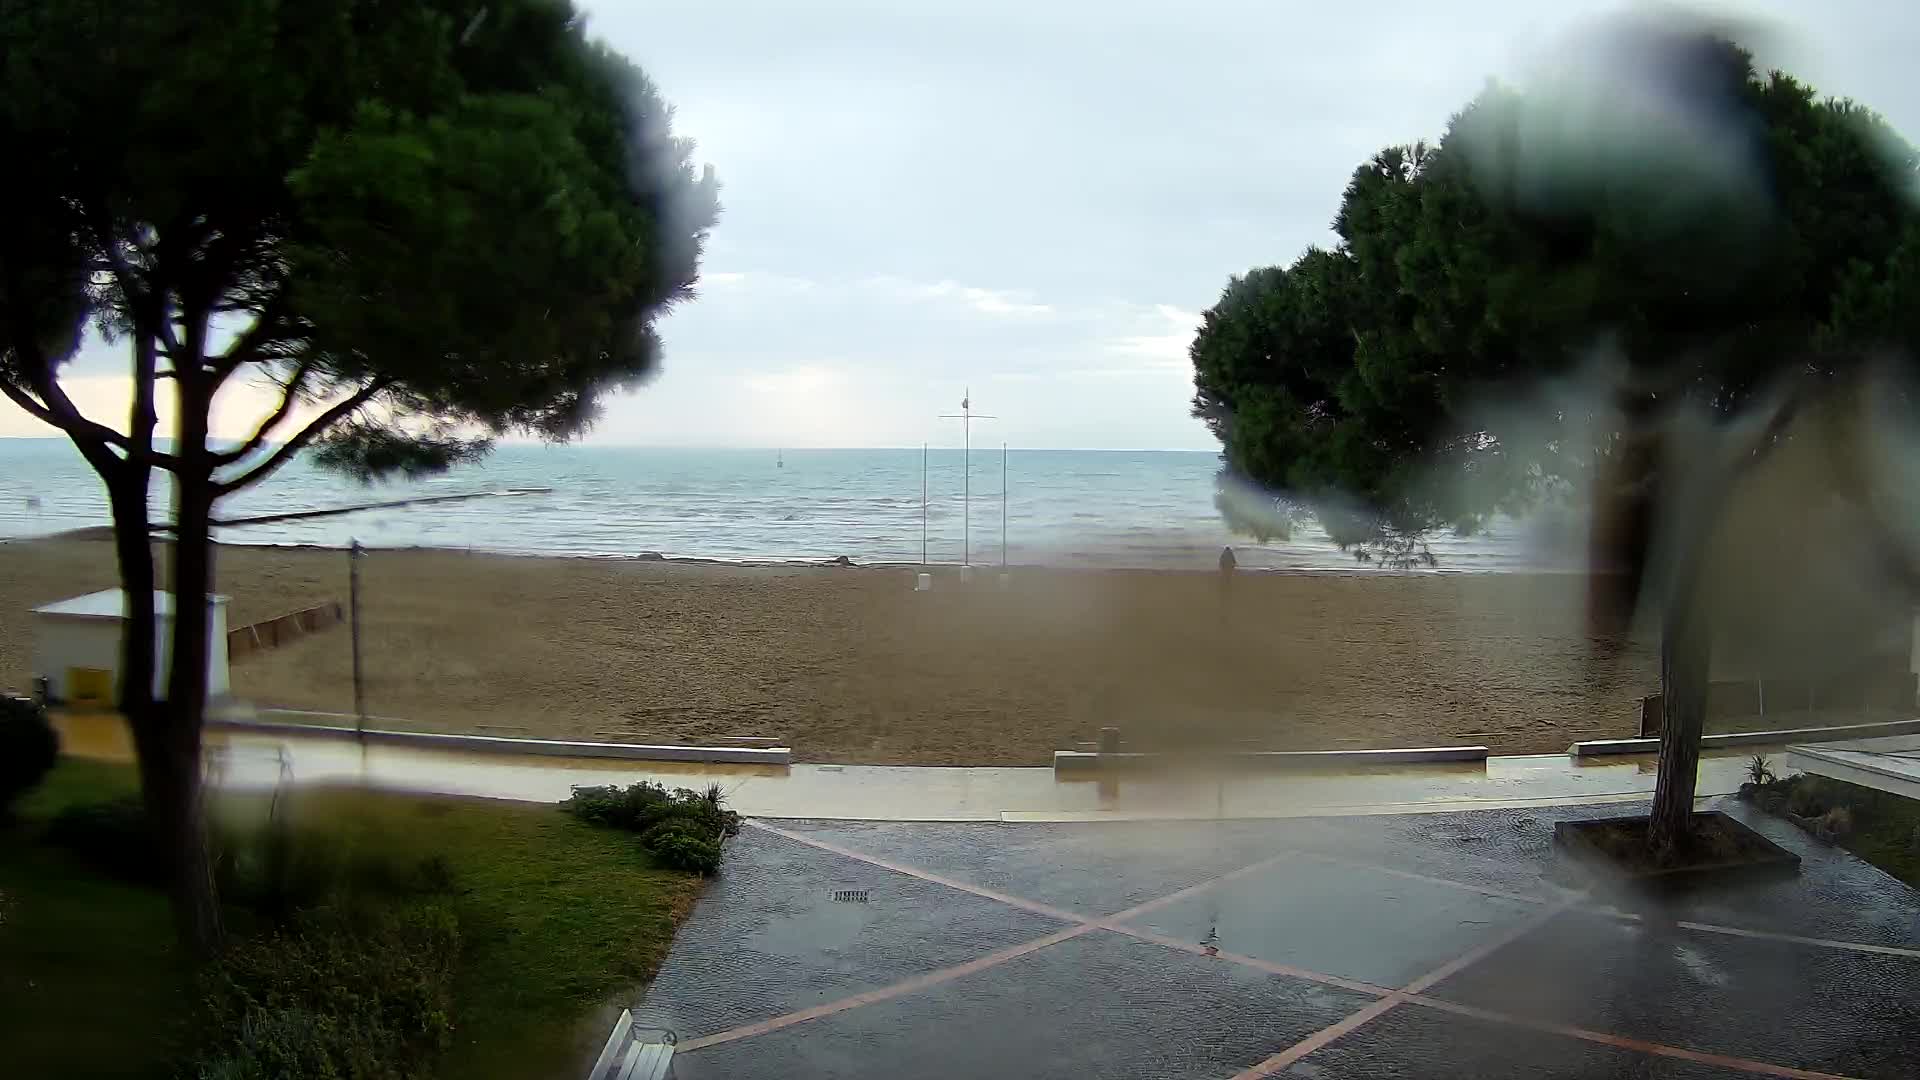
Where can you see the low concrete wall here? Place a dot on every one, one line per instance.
(1863, 770)
(1081, 760)
(1597, 747)
(489, 744)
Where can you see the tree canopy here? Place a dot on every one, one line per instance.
(464, 215)
(1704, 228)
(1623, 284)
(426, 224)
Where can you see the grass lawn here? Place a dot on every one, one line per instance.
(557, 919)
(90, 982)
(1886, 828)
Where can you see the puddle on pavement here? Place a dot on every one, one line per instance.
(827, 926)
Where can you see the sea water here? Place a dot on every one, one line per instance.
(1111, 508)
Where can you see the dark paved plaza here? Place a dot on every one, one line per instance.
(1429, 945)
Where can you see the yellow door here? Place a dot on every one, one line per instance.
(90, 686)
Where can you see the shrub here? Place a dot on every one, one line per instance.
(1808, 797)
(1760, 770)
(1835, 824)
(681, 829)
(28, 747)
(349, 991)
(682, 845)
(632, 808)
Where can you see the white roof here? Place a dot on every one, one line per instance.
(109, 604)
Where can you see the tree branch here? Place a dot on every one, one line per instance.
(125, 275)
(290, 395)
(91, 446)
(266, 329)
(33, 408)
(59, 410)
(306, 435)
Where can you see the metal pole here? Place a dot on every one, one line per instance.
(353, 606)
(966, 418)
(1003, 506)
(923, 504)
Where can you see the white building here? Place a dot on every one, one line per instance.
(76, 646)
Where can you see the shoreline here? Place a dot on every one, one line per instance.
(103, 533)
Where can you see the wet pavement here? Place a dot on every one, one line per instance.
(1401, 922)
(1379, 946)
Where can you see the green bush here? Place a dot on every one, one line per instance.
(681, 829)
(632, 808)
(355, 981)
(28, 747)
(1808, 797)
(682, 845)
(351, 992)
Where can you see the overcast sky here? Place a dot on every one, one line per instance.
(1036, 198)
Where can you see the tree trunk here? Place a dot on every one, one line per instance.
(1686, 662)
(127, 497)
(175, 773)
(170, 761)
(170, 788)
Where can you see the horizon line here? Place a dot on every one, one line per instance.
(769, 448)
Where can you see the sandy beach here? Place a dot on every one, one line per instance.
(850, 664)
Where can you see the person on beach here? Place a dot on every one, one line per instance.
(1227, 566)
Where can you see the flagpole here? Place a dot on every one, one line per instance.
(966, 416)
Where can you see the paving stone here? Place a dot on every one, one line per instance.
(1352, 922)
(1806, 1007)
(1412, 1043)
(1093, 1006)
(769, 938)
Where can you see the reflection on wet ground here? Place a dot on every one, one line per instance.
(1432, 945)
(883, 793)
(1404, 922)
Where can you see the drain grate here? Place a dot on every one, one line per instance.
(850, 896)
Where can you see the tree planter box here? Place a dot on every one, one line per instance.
(1725, 848)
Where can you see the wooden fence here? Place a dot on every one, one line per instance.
(287, 628)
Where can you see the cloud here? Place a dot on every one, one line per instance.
(798, 380)
(758, 281)
(1014, 303)
(238, 408)
(1163, 344)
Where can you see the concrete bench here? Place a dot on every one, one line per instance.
(634, 1053)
